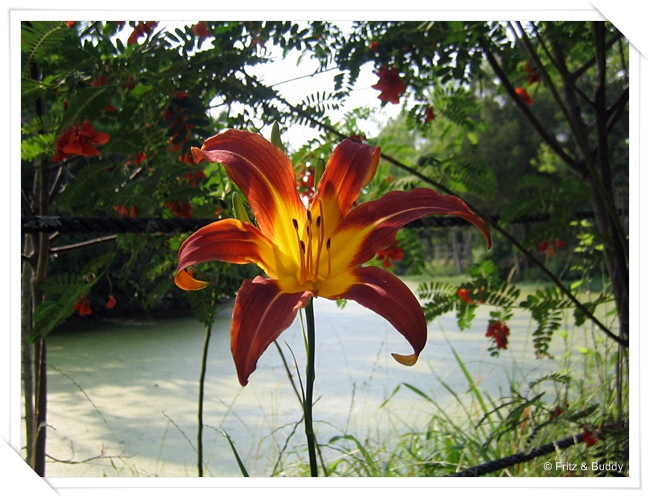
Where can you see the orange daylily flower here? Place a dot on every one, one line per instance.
(314, 251)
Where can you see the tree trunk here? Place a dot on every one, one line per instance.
(27, 352)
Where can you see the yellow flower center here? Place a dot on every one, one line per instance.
(310, 247)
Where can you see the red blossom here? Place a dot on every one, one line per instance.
(143, 28)
(523, 95)
(79, 140)
(121, 210)
(180, 209)
(499, 331)
(176, 119)
(131, 84)
(139, 159)
(463, 295)
(358, 137)
(101, 81)
(559, 243)
(392, 252)
(374, 46)
(187, 159)
(390, 85)
(69, 24)
(191, 178)
(532, 77)
(305, 181)
(546, 247)
(590, 438)
(83, 306)
(557, 411)
(429, 115)
(111, 302)
(201, 30)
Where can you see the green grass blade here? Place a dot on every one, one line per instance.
(242, 468)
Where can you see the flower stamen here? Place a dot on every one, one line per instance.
(301, 246)
(310, 251)
(329, 258)
(320, 226)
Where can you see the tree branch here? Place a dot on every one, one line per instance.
(82, 245)
(550, 141)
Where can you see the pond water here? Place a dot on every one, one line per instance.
(123, 396)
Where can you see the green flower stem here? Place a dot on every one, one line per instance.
(311, 350)
(204, 360)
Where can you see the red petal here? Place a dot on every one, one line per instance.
(261, 313)
(100, 138)
(263, 173)
(389, 297)
(351, 167)
(73, 147)
(395, 209)
(227, 240)
(88, 150)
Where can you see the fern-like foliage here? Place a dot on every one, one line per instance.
(460, 173)
(547, 309)
(67, 288)
(458, 105)
(203, 303)
(441, 299)
(39, 39)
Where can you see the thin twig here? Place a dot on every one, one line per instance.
(82, 245)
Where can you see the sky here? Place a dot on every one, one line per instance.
(295, 80)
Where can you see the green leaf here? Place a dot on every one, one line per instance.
(50, 314)
(35, 147)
